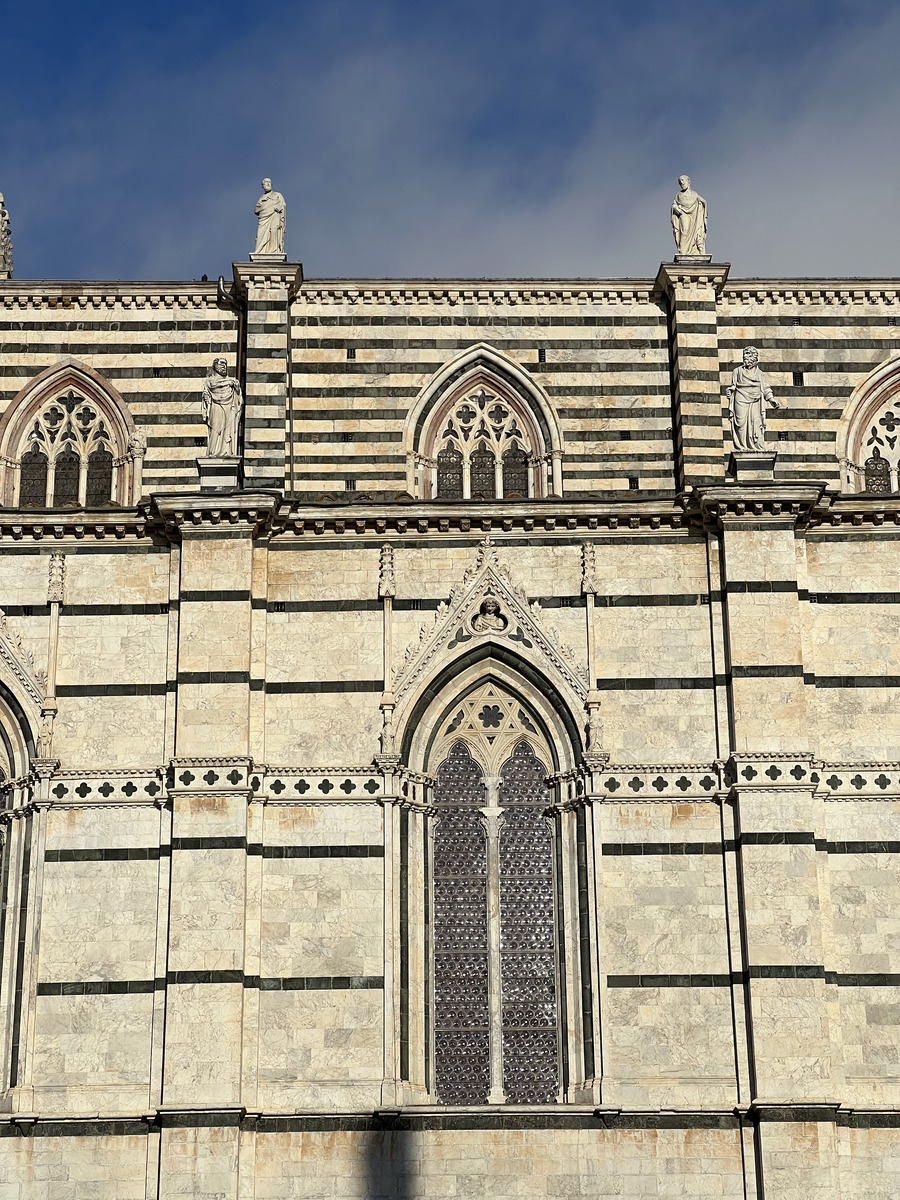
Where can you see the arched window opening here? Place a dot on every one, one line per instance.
(33, 485)
(450, 473)
(495, 970)
(89, 450)
(484, 398)
(66, 477)
(99, 477)
(486, 448)
(881, 440)
(515, 472)
(484, 473)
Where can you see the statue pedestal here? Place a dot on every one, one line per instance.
(693, 260)
(219, 474)
(753, 466)
(268, 258)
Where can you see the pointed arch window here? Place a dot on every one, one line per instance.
(68, 438)
(66, 477)
(495, 955)
(486, 446)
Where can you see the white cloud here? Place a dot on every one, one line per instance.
(376, 137)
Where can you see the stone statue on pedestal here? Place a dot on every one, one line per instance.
(222, 405)
(748, 394)
(6, 246)
(270, 211)
(689, 220)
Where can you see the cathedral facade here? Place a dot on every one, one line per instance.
(437, 759)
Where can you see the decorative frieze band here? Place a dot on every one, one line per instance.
(824, 292)
(608, 782)
(452, 294)
(19, 294)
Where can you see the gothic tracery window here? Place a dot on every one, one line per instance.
(493, 924)
(67, 457)
(66, 477)
(884, 451)
(484, 449)
(99, 476)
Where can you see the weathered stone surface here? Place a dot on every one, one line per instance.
(217, 952)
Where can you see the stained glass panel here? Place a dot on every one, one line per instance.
(450, 474)
(461, 1003)
(33, 483)
(878, 474)
(66, 477)
(515, 472)
(527, 934)
(483, 477)
(99, 477)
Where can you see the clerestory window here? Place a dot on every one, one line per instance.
(67, 457)
(68, 438)
(485, 449)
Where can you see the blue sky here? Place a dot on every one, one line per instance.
(489, 138)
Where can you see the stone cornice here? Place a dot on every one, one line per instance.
(267, 275)
(62, 293)
(675, 275)
(479, 292)
(779, 503)
(192, 510)
(170, 516)
(475, 519)
(79, 294)
(812, 291)
(31, 524)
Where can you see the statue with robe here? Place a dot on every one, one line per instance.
(270, 213)
(222, 406)
(6, 246)
(748, 394)
(689, 219)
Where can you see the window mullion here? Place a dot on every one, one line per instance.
(493, 815)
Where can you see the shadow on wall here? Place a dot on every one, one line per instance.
(390, 1169)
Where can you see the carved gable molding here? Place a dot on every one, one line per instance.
(17, 659)
(486, 606)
